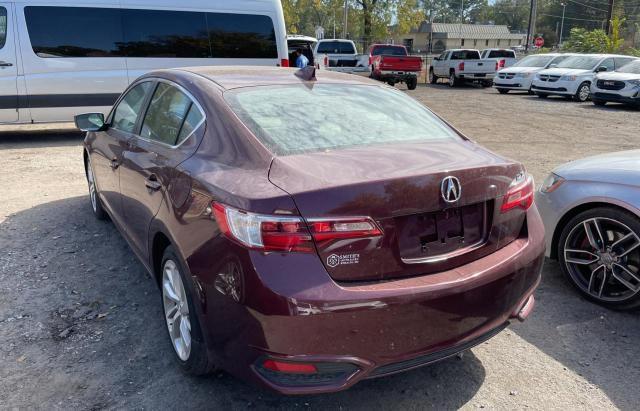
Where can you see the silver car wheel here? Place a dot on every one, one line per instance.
(176, 309)
(602, 256)
(585, 91)
(92, 187)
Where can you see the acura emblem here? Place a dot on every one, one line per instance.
(451, 189)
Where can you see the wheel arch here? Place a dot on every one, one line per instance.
(568, 215)
(159, 243)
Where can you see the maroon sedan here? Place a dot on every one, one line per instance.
(308, 233)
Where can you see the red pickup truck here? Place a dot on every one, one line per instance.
(392, 63)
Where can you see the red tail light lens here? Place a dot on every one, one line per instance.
(326, 230)
(264, 232)
(284, 62)
(461, 66)
(501, 63)
(289, 367)
(519, 196)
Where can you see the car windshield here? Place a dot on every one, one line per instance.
(336, 47)
(633, 68)
(389, 51)
(580, 62)
(302, 118)
(534, 61)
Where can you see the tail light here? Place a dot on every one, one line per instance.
(326, 61)
(288, 233)
(264, 232)
(461, 66)
(284, 62)
(520, 194)
(501, 64)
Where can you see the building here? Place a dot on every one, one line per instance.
(437, 37)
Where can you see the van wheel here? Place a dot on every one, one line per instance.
(583, 93)
(181, 318)
(412, 83)
(432, 77)
(599, 253)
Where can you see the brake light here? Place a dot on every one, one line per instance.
(289, 367)
(326, 61)
(335, 229)
(263, 232)
(461, 66)
(501, 63)
(520, 195)
(284, 63)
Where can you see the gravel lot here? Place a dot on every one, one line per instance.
(81, 325)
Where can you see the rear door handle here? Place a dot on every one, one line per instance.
(5, 64)
(152, 183)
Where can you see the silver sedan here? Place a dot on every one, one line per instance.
(591, 213)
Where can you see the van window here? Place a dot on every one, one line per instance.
(3, 26)
(159, 33)
(166, 113)
(110, 32)
(128, 110)
(74, 31)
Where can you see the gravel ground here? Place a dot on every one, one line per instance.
(81, 325)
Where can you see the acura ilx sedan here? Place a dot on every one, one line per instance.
(591, 210)
(310, 231)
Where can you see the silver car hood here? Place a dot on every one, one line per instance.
(618, 168)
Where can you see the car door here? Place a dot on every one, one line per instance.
(108, 146)
(8, 66)
(438, 64)
(150, 161)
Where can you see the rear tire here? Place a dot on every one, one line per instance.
(412, 83)
(181, 317)
(453, 81)
(433, 79)
(502, 90)
(606, 221)
(94, 195)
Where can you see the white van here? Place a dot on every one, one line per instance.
(61, 58)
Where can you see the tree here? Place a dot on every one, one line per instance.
(587, 41)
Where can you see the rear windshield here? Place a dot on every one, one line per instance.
(633, 68)
(301, 118)
(336, 47)
(580, 62)
(465, 55)
(502, 54)
(389, 51)
(534, 61)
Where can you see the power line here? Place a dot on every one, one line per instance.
(570, 18)
(586, 5)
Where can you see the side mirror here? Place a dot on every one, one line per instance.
(601, 69)
(90, 122)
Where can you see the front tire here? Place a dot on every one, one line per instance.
(502, 90)
(94, 195)
(599, 253)
(181, 318)
(583, 93)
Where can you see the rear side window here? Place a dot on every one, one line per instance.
(3, 26)
(74, 31)
(128, 110)
(336, 47)
(104, 32)
(465, 55)
(166, 115)
(502, 54)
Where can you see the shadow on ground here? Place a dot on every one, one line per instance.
(43, 138)
(82, 328)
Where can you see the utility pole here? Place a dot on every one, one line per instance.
(609, 16)
(564, 7)
(461, 19)
(346, 18)
(529, 27)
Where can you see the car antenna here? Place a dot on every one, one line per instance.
(307, 73)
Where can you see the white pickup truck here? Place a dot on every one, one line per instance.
(340, 55)
(460, 65)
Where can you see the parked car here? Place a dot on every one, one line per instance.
(276, 231)
(340, 55)
(591, 212)
(462, 65)
(520, 76)
(572, 78)
(392, 63)
(504, 57)
(305, 43)
(61, 58)
(620, 86)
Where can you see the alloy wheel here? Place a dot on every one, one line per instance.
(92, 187)
(584, 93)
(602, 256)
(176, 309)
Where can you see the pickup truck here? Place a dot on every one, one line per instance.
(460, 65)
(505, 57)
(393, 64)
(340, 55)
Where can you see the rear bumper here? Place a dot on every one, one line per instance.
(397, 75)
(294, 312)
(476, 76)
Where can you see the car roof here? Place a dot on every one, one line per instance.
(232, 77)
